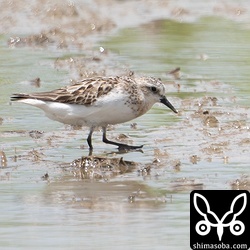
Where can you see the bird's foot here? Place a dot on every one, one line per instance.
(125, 147)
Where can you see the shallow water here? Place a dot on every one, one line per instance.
(130, 210)
(210, 49)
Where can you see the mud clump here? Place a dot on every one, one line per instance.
(242, 183)
(96, 167)
(210, 121)
(40, 40)
(35, 134)
(3, 160)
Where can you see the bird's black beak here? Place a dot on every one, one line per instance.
(165, 101)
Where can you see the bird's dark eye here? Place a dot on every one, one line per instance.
(154, 89)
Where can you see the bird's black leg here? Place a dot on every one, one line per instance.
(89, 139)
(121, 146)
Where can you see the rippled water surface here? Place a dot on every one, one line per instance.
(211, 48)
(131, 210)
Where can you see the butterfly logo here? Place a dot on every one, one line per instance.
(203, 227)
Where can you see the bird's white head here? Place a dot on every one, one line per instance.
(154, 91)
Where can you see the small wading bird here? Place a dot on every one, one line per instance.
(99, 101)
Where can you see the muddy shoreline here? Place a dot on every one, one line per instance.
(78, 26)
